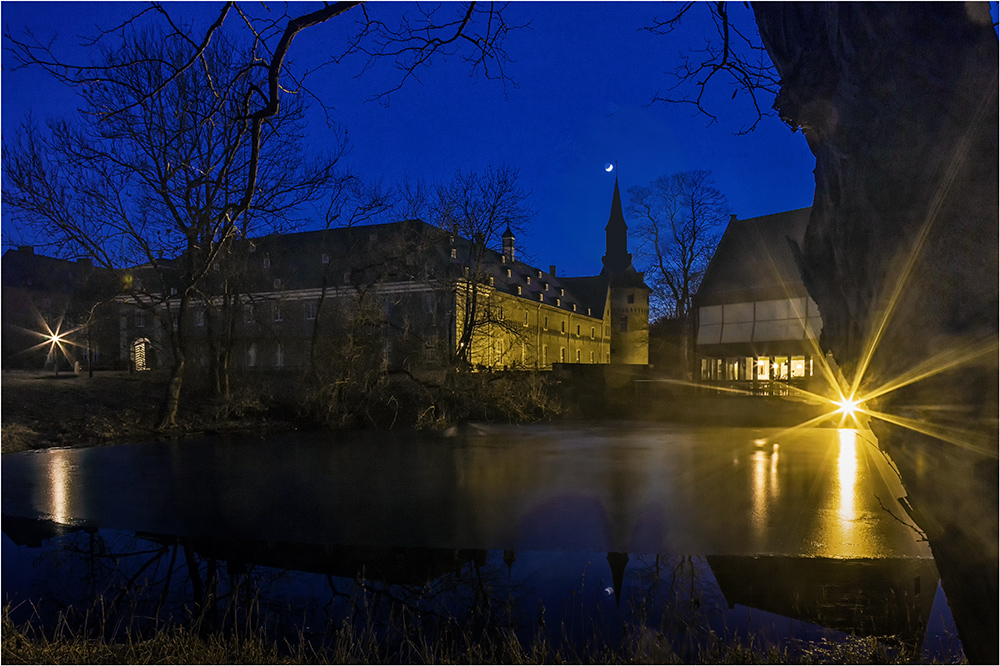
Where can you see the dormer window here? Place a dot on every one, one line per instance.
(527, 279)
(325, 258)
(503, 258)
(267, 261)
(541, 296)
(519, 291)
(574, 307)
(562, 292)
(539, 274)
(546, 285)
(558, 302)
(508, 272)
(491, 280)
(454, 253)
(588, 312)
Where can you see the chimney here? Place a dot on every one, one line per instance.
(26, 249)
(552, 270)
(732, 218)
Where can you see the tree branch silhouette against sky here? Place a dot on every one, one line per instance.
(572, 90)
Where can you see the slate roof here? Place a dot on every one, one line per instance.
(410, 250)
(24, 269)
(755, 261)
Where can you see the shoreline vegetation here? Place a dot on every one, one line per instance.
(404, 640)
(43, 410)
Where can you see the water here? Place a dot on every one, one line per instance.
(607, 530)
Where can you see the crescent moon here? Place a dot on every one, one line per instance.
(609, 167)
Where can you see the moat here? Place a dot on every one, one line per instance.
(606, 532)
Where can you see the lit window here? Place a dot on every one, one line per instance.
(541, 296)
(574, 307)
(539, 274)
(588, 312)
(546, 286)
(562, 292)
(325, 258)
(558, 302)
(763, 367)
(491, 280)
(454, 253)
(527, 279)
(798, 366)
(519, 291)
(508, 272)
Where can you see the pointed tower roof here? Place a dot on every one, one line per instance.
(507, 233)
(617, 218)
(616, 256)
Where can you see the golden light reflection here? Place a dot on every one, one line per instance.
(847, 478)
(60, 471)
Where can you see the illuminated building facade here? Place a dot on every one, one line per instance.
(756, 324)
(413, 294)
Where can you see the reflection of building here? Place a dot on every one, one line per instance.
(756, 323)
(870, 597)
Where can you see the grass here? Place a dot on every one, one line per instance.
(404, 642)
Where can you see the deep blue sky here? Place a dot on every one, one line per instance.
(584, 77)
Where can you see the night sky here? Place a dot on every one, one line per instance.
(583, 78)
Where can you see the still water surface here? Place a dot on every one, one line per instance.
(753, 531)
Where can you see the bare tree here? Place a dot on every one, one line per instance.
(254, 93)
(678, 221)
(481, 207)
(157, 190)
(734, 55)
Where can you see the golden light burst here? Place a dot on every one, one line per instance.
(57, 341)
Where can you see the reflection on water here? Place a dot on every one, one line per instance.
(59, 469)
(661, 516)
(588, 598)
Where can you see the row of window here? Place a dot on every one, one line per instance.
(579, 356)
(759, 368)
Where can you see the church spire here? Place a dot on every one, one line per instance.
(616, 256)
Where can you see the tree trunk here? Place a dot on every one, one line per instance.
(898, 102)
(178, 337)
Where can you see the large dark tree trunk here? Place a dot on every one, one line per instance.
(899, 105)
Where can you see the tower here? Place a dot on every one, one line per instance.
(616, 257)
(629, 293)
(508, 244)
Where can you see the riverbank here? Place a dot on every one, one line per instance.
(40, 411)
